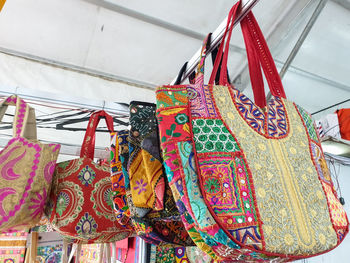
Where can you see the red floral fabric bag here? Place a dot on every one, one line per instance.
(82, 198)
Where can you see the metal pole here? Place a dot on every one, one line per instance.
(301, 40)
(216, 37)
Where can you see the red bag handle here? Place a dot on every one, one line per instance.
(258, 56)
(88, 148)
(251, 28)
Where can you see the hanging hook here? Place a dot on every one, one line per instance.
(104, 104)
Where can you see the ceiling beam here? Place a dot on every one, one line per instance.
(79, 69)
(343, 3)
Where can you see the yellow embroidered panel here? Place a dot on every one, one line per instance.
(145, 172)
(290, 197)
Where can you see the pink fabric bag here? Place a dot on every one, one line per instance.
(26, 168)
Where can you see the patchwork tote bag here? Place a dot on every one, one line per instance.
(119, 152)
(81, 207)
(144, 174)
(252, 175)
(26, 167)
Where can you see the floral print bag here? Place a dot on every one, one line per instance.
(155, 216)
(81, 203)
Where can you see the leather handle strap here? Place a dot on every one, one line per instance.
(24, 123)
(88, 148)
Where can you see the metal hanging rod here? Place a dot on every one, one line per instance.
(329, 107)
(246, 6)
(65, 100)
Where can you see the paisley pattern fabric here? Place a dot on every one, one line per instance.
(26, 168)
(81, 202)
(84, 211)
(156, 226)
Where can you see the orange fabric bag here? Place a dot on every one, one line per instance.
(344, 123)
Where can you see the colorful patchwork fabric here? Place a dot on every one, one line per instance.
(121, 208)
(13, 246)
(245, 164)
(169, 254)
(195, 255)
(156, 226)
(182, 174)
(52, 254)
(251, 181)
(145, 166)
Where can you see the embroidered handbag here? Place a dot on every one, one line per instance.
(119, 151)
(26, 168)
(255, 182)
(145, 173)
(81, 206)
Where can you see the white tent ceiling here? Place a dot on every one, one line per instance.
(140, 45)
(118, 51)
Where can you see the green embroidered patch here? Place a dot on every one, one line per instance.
(212, 136)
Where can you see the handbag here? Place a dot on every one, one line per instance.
(119, 151)
(26, 167)
(344, 123)
(253, 179)
(81, 206)
(145, 173)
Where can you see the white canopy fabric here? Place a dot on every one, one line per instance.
(135, 46)
(119, 50)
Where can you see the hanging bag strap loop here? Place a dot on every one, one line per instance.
(200, 67)
(253, 36)
(191, 77)
(24, 123)
(258, 56)
(88, 148)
